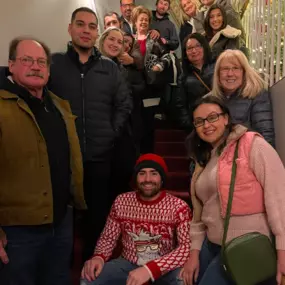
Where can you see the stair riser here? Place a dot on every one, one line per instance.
(170, 136)
(170, 149)
(177, 164)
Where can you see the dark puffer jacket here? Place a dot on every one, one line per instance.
(98, 95)
(256, 113)
(192, 89)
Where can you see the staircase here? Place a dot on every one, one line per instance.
(170, 145)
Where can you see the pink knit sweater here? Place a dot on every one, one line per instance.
(269, 171)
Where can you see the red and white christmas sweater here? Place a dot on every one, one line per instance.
(154, 234)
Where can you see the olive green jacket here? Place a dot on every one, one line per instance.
(25, 182)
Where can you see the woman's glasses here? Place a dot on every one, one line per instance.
(213, 117)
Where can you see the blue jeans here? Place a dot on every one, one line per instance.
(116, 271)
(39, 255)
(211, 268)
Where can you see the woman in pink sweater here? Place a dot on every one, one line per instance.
(259, 196)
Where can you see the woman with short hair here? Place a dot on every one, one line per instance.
(161, 69)
(111, 44)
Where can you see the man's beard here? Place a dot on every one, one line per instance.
(155, 190)
(160, 14)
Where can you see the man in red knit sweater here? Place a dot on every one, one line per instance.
(154, 228)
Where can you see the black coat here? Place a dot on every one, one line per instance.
(98, 95)
(191, 89)
(256, 113)
(166, 29)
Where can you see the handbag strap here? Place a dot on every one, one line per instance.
(230, 200)
(201, 80)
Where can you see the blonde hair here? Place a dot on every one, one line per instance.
(197, 3)
(104, 36)
(140, 10)
(252, 85)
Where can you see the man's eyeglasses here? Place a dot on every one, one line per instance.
(234, 69)
(213, 117)
(29, 61)
(197, 46)
(128, 5)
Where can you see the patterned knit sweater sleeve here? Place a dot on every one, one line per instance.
(180, 254)
(110, 235)
(270, 173)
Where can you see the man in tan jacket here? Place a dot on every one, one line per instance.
(41, 175)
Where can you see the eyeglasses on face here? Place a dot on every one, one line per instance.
(213, 117)
(191, 48)
(234, 69)
(29, 61)
(128, 5)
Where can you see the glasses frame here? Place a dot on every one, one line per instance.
(191, 49)
(207, 119)
(32, 61)
(234, 70)
(128, 5)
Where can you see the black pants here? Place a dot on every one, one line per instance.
(123, 161)
(98, 198)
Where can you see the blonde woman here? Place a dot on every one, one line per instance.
(111, 45)
(192, 23)
(111, 42)
(245, 93)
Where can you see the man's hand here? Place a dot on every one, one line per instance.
(92, 268)
(138, 276)
(126, 59)
(164, 41)
(3, 242)
(280, 267)
(190, 271)
(154, 34)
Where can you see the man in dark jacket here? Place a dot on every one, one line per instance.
(127, 7)
(41, 174)
(161, 22)
(100, 99)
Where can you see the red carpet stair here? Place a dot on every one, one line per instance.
(170, 145)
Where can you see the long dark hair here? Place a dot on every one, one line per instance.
(208, 29)
(126, 34)
(198, 149)
(186, 64)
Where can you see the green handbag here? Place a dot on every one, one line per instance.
(250, 258)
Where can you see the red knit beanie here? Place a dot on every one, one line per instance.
(154, 161)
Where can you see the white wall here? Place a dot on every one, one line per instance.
(45, 19)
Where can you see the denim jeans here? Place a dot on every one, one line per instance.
(116, 271)
(211, 268)
(39, 255)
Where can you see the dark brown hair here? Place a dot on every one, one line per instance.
(83, 9)
(198, 149)
(207, 27)
(168, 1)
